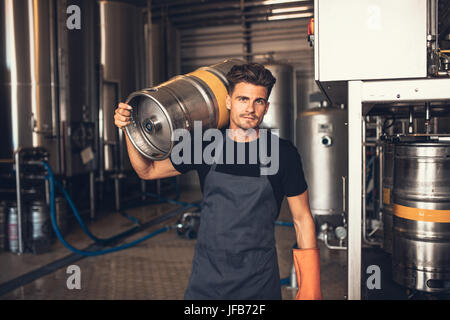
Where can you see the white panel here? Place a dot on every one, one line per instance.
(371, 39)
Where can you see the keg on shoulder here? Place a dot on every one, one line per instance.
(176, 104)
(421, 207)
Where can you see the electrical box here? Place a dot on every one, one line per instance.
(368, 40)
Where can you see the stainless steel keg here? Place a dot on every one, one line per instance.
(421, 225)
(176, 104)
(13, 232)
(388, 184)
(40, 224)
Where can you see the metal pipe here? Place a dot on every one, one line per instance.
(213, 44)
(233, 34)
(19, 199)
(101, 128)
(325, 239)
(293, 278)
(364, 188)
(411, 120)
(427, 118)
(354, 189)
(297, 52)
(344, 195)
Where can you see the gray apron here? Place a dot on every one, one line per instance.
(235, 256)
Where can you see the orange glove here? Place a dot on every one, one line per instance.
(307, 267)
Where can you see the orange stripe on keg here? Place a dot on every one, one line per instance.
(220, 92)
(421, 214)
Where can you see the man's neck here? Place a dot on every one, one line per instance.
(243, 135)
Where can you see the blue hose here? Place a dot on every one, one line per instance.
(284, 224)
(52, 184)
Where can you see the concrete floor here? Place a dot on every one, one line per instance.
(158, 268)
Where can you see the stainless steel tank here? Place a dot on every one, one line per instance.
(323, 144)
(281, 109)
(388, 184)
(421, 205)
(122, 71)
(176, 104)
(28, 87)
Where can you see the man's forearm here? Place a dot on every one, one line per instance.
(305, 232)
(140, 163)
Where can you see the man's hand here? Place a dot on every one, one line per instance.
(122, 115)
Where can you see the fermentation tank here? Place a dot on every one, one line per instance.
(322, 143)
(176, 104)
(421, 204)
(28, 86)
(280, 113)
(122, 71)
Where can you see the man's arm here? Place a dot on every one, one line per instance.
(303, 221)
(306, 259)
(146, 169)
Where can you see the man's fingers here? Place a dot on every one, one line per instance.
(125, 106)
(121, 118)
(123, 112)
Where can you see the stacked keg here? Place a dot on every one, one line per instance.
(421, 208)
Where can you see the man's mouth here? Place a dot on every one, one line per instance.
(249, 117)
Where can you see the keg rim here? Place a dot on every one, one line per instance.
(165, 155)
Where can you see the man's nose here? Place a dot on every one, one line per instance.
(250, 108)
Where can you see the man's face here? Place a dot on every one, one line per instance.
(248, 104)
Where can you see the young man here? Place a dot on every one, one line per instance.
(235, 256)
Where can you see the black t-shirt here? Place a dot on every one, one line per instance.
(288, 180)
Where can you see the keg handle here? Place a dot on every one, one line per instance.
(150, 89)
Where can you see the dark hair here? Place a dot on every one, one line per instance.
(253, 73)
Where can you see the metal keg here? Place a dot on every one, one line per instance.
(40, 224)
(388, 184)
(421, 225)
(3, 226)
(13, 232)
(176, 104)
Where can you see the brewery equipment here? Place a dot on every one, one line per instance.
(281, 109)
(421, 206)
(322, 143)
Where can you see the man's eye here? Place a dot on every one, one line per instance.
(260, 101)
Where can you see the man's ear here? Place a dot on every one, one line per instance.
(228, 102)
